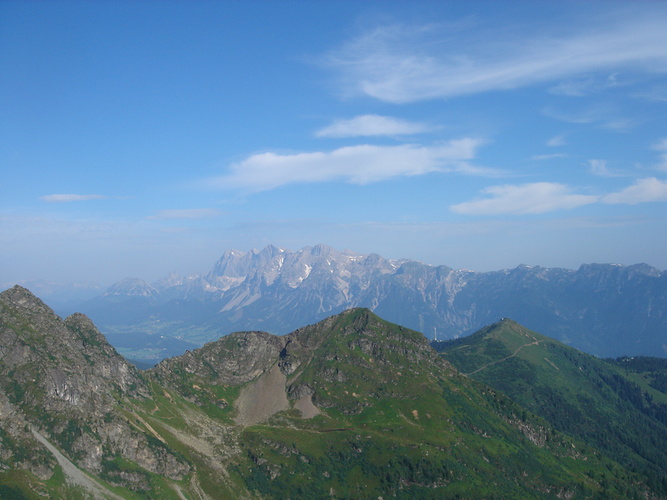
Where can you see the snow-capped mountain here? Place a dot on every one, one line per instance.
(604, 309)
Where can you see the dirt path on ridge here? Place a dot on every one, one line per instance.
(536, 342)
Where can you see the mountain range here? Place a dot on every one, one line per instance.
(350, 407)
(604, 309)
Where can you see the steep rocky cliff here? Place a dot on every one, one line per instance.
(63, 381)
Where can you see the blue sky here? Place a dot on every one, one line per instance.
(140, 138)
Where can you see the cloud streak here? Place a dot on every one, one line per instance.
(402, 64)
(187, 213)
(362, 164)
(67, 198)
(645, 190)
(556, 141)
(552, 156)
(371, 125)
(544, 197)
(533, 198)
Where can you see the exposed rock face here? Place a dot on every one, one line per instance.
(63, 379)
(254, 353)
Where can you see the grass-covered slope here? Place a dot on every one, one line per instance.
(392, 419)
(621, 411)
(351, 407)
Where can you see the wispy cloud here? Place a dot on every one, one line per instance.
(655, 93)
(410, 63)
(661, 146)
(599, 167)
(544, 197)
(604, 116)
(361, 164)
(371, 125)
(556, 141)
(643, 191)
(188, 213)
(534, 198)
(66, 198)
(574, 88)
(585, 86)
(552, 156)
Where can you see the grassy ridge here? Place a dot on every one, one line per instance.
(597, 401)
(400, 422)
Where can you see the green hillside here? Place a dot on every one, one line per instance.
(394, 420)
(351, 407)
(618, 407)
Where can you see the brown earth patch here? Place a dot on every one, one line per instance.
(262, 398)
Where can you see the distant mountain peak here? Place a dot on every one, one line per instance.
(132, 287)
(275, 289)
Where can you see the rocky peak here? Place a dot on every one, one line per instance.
(28, 304)
(644, 270)
(234, 359)
(64, 380)
(70, 353)
(229, 264)
(237, 264)
(321, 250)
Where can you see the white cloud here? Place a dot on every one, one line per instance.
(402, 64)
(65, 198)
(361, 164)
(642, 191)
(371, 125)
(534, 198)
(188, 213)
(555, 141)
